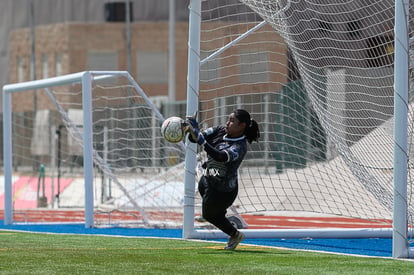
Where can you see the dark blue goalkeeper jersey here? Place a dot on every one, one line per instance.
(224, 158)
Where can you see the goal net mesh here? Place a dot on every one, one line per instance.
(137, 175)
(318, 78)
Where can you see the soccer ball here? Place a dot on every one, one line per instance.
(172, 129)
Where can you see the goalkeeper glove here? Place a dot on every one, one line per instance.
(192, 128)
(195, 135)
(193, 122)
(199, 137)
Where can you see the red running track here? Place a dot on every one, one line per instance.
(253, 221)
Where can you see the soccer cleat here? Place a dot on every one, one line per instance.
(200, 219)
(234, 241)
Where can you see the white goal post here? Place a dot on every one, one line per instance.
(114, 167)
(343, 55)
(400, 248)
(8, 90)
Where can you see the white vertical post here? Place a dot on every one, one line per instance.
(192, 106)
(154, 147)
(7, 150)
(105, 193)
(128, 34)
(171, 58)
(401, 64)
(266, 130)
(222, 108)
(87, 147)
(239, 103)
(216, 111)
(53, 163)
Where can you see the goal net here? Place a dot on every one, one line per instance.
(91, 152)
(318, 77)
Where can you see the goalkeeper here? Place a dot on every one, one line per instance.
(226, 147)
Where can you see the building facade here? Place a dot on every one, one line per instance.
(67, 48)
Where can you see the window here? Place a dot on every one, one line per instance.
(254, 67)
(324, 26)
(210, 71)
(45, 67)
(380, 51)
(58, 64)
(20, 71)
(354, 28)
(152, 67)
(102, 61)
(32, 69)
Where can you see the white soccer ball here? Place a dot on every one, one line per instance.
(172, 129)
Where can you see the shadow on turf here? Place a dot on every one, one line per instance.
(244, 249)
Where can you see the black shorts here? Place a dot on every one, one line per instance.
(213, 197)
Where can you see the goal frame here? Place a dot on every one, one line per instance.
(10, 89)
(399, 232)
(85, 80)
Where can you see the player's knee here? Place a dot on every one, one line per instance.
(209, 216)
(213, 216)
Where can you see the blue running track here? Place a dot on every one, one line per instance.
(367, 247)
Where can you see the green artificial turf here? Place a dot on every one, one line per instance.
(36, 253)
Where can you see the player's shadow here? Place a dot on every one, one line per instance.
(247, 250)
